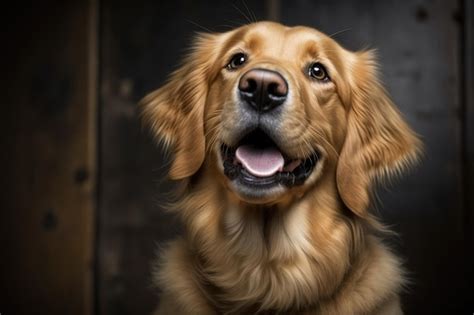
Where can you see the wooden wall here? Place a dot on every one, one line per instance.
(48, 158)
(467, 114)
(83, 181)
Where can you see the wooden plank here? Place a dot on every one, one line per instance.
(468, 66)
(141, 44)
(426, 84)
(419, 48)
(48, 182)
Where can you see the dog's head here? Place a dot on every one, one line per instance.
(274, 110)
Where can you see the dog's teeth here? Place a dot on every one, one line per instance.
(292, 165)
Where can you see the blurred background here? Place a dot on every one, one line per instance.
(82, 183)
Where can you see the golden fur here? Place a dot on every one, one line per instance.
(311, 249)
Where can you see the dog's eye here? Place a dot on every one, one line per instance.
(317, 71)
(236, 61)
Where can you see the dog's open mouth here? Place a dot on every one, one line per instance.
(257, 161)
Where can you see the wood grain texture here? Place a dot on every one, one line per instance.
(48, 182)
(468, 88)
(49, 141)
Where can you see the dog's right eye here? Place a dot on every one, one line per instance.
(318, 72)
(236, 61)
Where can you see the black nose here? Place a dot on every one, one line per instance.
(263, 89)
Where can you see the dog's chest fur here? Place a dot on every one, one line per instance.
(269, 261)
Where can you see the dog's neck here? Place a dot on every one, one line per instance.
(269, 254)
(291, 256)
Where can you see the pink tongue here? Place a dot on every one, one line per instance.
(260, 162)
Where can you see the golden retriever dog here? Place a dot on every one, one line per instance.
(277, 135)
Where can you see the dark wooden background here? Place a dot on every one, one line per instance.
(81, 220)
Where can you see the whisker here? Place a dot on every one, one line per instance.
(243, 14)
(227, 26)
(234, 24)
(211, 130)
(200, 26)
(250, 12)
(340, 32)
(322, 138)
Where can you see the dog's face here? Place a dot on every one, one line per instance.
(280, 114)
(272, 110)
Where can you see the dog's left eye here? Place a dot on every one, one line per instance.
(317, 71)
(237, 61)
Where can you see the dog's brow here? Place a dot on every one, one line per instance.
(254, 41)
(311, 48)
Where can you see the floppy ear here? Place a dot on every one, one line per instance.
(175, 111)
(378, 142)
